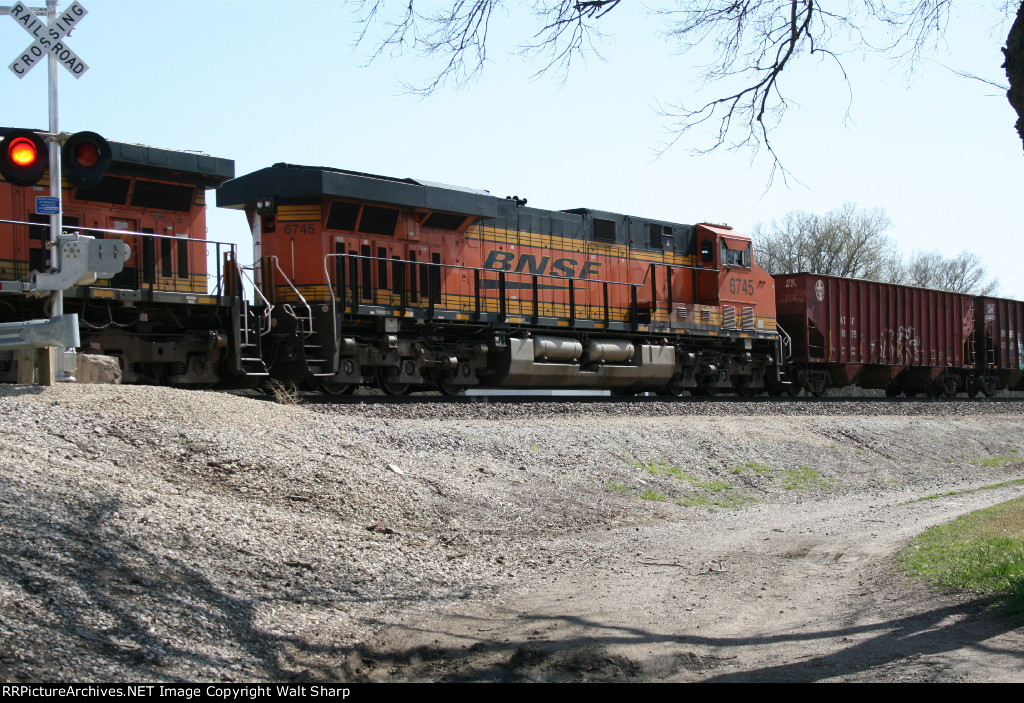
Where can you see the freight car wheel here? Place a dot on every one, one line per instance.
(972, 387)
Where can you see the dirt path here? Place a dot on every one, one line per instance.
(812, 598)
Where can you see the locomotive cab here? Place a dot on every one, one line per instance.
(729, 277)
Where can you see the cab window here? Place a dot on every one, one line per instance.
(736, 257)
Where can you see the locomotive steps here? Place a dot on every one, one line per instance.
(156, 534)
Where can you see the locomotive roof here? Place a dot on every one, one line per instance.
(294, 182)
(186, 166)
(288, 181)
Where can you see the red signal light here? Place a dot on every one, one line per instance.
(87, 154)
(23, 151)
(85, 157)
(23, 157)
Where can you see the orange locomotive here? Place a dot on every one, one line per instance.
(415, 285)
(165, 315)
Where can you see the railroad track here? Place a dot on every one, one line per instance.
(519, 399)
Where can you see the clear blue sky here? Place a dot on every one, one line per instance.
(262, 82)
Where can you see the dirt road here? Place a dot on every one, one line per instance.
(802, 595)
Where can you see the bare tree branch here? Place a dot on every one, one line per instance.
(755, 43)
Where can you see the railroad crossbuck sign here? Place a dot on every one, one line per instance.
(48, 39)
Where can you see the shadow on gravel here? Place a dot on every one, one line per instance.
(89, 600)
(83, 600)
(543, 656)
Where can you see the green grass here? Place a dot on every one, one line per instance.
(651, 494)
(996, 462)
(981, 552)
(803, 477)
(754, 468)
(715, 492)
(1014, 482)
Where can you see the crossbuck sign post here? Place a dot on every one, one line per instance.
(48, 40)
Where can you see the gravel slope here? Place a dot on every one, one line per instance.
(154, 534)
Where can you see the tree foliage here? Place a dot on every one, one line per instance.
(853, 242)
(849, 241)
(755, 43)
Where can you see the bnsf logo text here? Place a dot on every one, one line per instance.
(528, 263)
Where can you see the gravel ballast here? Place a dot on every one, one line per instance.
(159, 534)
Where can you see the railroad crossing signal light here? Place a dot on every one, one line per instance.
(85, 159)
(23, 157)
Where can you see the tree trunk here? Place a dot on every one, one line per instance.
(1014, 65)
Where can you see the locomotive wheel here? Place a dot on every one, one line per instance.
(328, 388)
(672, 390)
(395, 388)
(451, 389)
(892, 390)
(794, 390)
(391, 387)
(746, 392)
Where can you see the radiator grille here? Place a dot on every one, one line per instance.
(748, 318)
(729, 316)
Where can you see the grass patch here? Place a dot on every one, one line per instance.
(752, 467)
(618, 487)
(803, 477)
(995, 462)
(981, 552)
(732, 499)
(722, 493)
(1014, 482)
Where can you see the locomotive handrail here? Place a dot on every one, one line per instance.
(459, 267)
(81, 229)
(785, 340)
(309, 310)
(146, 263)
(500, 277)
(269, 307)
(334, 309)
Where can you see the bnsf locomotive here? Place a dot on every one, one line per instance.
(406, 285)
(409, 284)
